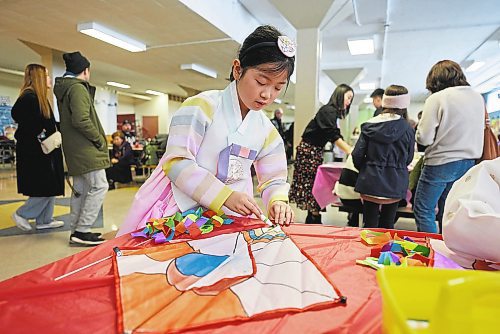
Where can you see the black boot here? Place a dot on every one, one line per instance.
(309, 218)
(313, 219)
(317, 219)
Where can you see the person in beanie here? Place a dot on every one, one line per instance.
(85, 147)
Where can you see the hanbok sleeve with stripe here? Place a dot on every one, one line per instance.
(187, 130)
(271, 169)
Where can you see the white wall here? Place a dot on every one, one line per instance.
(158, 106)
(125, 105)
(105, 102)
(414, 109)
(9, 91)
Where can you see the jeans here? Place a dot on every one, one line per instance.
(433, 187)
(92, 188)
(384, 218)
(39, 208)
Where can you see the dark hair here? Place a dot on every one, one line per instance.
(377, 92)
(444, 74)
(395, 90)
(337, 99)
(251, 57)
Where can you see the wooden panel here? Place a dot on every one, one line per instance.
(149, 126)
(121, 118)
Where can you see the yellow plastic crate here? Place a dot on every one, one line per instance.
(429, 300)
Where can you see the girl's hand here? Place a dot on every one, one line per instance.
(114, 161)
(242, 204)
(281, 213)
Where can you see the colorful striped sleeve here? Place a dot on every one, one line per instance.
(187, 130)
(271, 169)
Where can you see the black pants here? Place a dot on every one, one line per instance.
(384, 218)
(357, 207)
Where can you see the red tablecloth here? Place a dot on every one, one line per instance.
(85, 302)
(326, 177)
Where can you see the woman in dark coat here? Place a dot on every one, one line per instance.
(321, 129)
(122, 157)
(39, 176)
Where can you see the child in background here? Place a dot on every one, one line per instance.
(216, 136)
(382, 154)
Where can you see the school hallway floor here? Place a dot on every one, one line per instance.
(24, 252)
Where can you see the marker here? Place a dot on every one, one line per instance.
(266, 220)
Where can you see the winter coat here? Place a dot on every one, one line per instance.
(84, 141)
(120, 171)
(38, 174)
(382, 154)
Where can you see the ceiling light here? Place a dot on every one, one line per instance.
(154, 92)
(15, 72)
(135, 96)
(117, 84)
(109, 36)
(367, 85)
(476, 65)
(291, 107)
(277, 101)
(200, 69)
(361, 46)
(367, 100)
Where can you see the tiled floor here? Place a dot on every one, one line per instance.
(21, 253)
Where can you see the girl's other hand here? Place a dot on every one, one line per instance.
(281, 213)
(242, 204)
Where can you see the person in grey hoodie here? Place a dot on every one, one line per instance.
(382, 154)
(85, 147)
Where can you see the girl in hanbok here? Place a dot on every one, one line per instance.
(215, 138)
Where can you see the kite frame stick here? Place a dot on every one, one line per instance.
(91, 264)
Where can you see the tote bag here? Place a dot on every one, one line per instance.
(490, 146)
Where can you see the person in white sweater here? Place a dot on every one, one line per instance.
(452, 129)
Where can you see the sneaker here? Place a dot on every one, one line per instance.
(21, 223)
(52, 224)
(85, 239)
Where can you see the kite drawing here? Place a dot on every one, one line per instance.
(226, 278)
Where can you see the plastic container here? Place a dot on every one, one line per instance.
(429, 300)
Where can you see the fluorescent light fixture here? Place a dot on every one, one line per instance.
(109, 36)
(367, 100)
(117, 84)
(200, 69)
(277, 101)
(154, 92)
(291, 107)
(367, 85)
(361, 46)
(15, 72)
(476, 65)
(135, 96)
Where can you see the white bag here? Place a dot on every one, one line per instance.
(471, 220)
(51, 142)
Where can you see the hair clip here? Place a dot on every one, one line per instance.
(287, 46)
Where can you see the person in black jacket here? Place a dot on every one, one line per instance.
(39, 176)
(382, 155)
(376, 96)
(321, 129)
(121, 157)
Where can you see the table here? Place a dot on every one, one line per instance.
(326, 177)
(85, 302)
